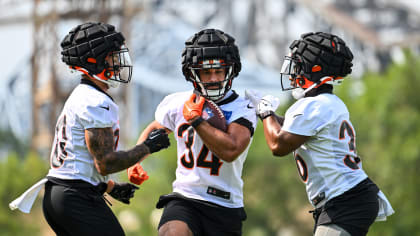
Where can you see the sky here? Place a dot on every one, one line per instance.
(16, 46)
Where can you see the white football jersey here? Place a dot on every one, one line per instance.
(87, 107)
(200, 174)
(327, 162)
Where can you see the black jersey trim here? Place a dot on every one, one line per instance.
(230, 99)
(244, 122)
(91, 83)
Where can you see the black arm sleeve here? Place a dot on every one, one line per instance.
(244, 122)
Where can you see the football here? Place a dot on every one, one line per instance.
(214, 115)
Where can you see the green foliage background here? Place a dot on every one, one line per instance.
(385, 111)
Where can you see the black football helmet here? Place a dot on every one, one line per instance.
(211, 48)
(98, 51)
(316, 59)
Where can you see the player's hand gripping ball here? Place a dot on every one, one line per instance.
(193, 107)
(214, 115)
(206, 109)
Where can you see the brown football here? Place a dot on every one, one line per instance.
(214, 115)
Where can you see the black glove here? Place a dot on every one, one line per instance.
(157, 140)
(123, 192)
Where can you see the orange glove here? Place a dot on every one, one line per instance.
(136, 174)
(192, 108)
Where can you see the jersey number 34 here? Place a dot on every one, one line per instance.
(188, 159)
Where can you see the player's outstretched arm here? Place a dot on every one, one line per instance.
(152, 126)
(100, 143)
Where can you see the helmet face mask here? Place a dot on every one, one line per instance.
(211, 49)
(120, 67)
(211, 90)
(289, 72)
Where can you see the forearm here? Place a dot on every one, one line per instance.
(272, 128)
(100, 143)
(152, 126)
(225, 145)
(280, 119)
(120, 160)
(279, 141)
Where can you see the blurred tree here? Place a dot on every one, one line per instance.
(275, 198)
(16, 175)
(8, 141)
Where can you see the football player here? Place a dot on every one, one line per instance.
(84, 151)
(318, 130)
(207, 196)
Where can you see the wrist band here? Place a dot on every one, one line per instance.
(265, 114)
(197, 122)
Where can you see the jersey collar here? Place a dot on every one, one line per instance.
(232, 95)
(320, 90)
(89, 82)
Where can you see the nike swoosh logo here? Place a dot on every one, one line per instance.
(249, 106)
(297, 115)
(106, 108)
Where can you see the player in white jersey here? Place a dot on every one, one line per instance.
(318, 130)
(207, 196)
(84, 151)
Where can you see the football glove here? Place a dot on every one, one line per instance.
(264, 106)
(192, 108)
(157, 140)
(136, 174)
(123, 192)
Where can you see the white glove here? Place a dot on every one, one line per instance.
(268, 103)
(264, 106)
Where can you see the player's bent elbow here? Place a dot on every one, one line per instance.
(101, 168)
(279, 151)
(229, 158)
(102, 172)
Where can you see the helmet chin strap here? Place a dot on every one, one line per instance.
(299, 92)
(111, 83)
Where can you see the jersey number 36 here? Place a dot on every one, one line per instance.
(349, 161)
